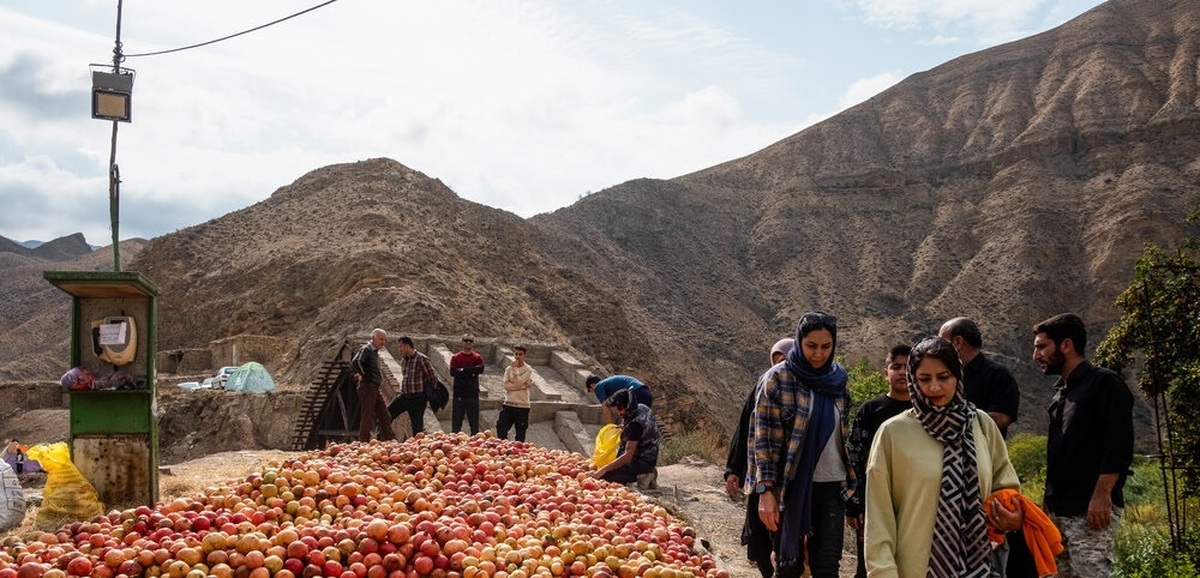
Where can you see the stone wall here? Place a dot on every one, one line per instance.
(239, 349)
(185, 361)
(33, 395)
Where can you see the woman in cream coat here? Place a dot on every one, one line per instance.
(930, 469)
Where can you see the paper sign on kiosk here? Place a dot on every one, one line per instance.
(114, 339)
(113, 334)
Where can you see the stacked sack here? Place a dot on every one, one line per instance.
(12, 499)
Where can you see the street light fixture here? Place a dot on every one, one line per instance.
(112, 94)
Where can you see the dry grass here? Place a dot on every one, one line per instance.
(704, 443)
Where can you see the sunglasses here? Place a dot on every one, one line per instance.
(818, 320)
(468, 341)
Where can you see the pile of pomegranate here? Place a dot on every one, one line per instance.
(445, 506)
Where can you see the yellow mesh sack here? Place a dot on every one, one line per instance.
(67, 493)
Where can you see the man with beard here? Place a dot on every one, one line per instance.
(1089, 449)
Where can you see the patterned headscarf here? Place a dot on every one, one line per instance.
(960, 542)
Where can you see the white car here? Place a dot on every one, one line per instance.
(222, 376)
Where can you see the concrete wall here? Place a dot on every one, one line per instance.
(574, 372)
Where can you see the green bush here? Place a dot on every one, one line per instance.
(1145, 485)
(865, 382)
(1027, 452)
(1143, 551)
(1142, 547)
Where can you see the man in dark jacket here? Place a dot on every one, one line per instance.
(372, 408)
(465, 368)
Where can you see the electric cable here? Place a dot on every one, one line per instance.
(256, 28)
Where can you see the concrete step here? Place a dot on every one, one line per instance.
(561, 415)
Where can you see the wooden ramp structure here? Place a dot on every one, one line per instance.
(330, 410)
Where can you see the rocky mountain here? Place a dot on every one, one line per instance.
(1006, 185)
(62, 249)
(36, 315)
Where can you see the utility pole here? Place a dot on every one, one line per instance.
(114, 173)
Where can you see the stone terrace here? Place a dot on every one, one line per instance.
(561, 415)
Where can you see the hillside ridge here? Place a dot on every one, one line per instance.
(1006, 185)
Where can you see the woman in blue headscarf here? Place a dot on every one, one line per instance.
(801, 422)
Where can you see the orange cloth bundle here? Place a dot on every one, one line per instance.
(1042, 536)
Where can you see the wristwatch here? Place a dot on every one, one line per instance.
(761, 488)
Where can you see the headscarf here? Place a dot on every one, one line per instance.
(960, 542)
(783, 346)
(827, 383)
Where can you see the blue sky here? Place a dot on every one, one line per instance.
(519, 105)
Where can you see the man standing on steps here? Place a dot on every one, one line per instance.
(417, 382)
(372, 408)
(518, 380)
(465, 368)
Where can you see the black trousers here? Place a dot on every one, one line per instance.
(511, 416)
(414, 405)
(628, 473)
(757, 538)
(825, 544)
(468, 406)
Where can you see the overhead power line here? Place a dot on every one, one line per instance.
(182, 48)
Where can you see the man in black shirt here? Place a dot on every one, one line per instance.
(1089, 449)
(638, 452)
(870, 416)
(987, 384)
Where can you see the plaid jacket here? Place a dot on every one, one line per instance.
(417, 374)
(780, 424)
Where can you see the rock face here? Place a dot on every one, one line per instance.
(1006, 185)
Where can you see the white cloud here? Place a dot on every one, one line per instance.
(864, 88)
(987, 21)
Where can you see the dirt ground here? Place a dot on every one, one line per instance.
(696, 490)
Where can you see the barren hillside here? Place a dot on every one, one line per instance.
(1006, 185)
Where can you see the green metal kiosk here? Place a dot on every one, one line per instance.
(114, 431)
